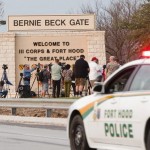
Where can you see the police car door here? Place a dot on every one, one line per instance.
(105, 123)
(131, 107)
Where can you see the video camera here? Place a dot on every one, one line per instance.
(1, 83)
(38, 67)
(50, 65)
(21, 74)
(5, 66)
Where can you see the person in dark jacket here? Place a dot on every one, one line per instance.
(46, 80)
(81, 73)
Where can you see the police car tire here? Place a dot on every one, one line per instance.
(77, 129)
(148, 141)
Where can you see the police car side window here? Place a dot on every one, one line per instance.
(119, 81)
(142, 79)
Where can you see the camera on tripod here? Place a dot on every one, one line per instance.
(63, 65)
(50, 65)
(4, 80)
(38, 67)
(5, 66)
(21, 74)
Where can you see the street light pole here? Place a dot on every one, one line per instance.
(2, 22)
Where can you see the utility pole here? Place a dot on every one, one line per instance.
(2, 22)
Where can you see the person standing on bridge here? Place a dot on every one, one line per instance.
(95, 71)
(56, 78)
(27, 74)
(46, 80)
(67, 74)
(112, 66)
(81, 74)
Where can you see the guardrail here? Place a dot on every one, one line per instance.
(48, 104)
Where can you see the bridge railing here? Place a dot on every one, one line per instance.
(48, 104)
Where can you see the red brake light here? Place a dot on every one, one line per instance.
(146, 53)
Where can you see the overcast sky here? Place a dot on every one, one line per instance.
(43, 7)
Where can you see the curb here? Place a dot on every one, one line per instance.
(62, 122)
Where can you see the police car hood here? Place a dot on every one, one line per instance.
(87, 102)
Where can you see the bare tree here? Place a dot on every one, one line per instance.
(1, 9)
(140, 25)
(110, 20)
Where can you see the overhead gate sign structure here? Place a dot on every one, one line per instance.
(52, 22)
(41, 39)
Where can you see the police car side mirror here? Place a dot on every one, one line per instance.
(98, 87)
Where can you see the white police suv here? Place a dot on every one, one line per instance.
(117, 115)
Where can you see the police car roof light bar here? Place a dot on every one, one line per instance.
(146, 53)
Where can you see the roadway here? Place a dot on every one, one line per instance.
(32, 137)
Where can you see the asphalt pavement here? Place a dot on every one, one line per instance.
(31, 137)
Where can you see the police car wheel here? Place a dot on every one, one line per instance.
(148, 141)
(77, 135)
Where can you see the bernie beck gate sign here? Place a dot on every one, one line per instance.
(52, 22)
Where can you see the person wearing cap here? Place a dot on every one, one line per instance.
(95, 71)
(46, 80)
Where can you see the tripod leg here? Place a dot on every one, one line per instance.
(18, 86)
(38, 86)
(33, 83)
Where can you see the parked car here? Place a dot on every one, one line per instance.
(117, 115)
